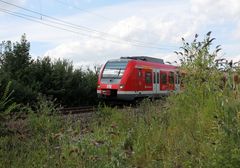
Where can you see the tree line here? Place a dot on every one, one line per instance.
(56, 79)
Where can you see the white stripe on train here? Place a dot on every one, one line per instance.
(137, 92)
(141, 92)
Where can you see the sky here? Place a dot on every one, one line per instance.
(90, 32)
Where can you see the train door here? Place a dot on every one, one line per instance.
(163, 81)
(148, 80)
(156, 81)
(171, 81)
(177, 83)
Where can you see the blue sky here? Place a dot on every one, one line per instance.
(109, 29)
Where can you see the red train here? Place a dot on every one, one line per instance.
(131, 78)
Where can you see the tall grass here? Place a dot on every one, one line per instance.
(30, 144)
(199, 127)
(7, 105)
(204, 123)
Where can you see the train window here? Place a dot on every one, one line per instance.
(171, 77)
(116, 65)
(157, 77)
(163, 78)
(114, 69)
(148, 77)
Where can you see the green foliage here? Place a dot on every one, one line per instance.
(32, 143)
(57, 79)
(5, 99)
(204, 116)
(16, 58)
(6, 106)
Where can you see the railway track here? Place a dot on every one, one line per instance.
(77, 110)
(65, 111)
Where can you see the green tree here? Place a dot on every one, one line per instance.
(57, 79)
(16, 58)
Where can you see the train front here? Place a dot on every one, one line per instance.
(111, 79)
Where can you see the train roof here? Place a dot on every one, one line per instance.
(145, 58)
(139, 58)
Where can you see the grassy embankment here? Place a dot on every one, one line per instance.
(199, 127)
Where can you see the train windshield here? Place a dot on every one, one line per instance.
(114, 69)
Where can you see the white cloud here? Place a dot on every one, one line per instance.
(225, 8)
(129, 27)
(150, 22)
(160, 29)
(223, 15)
(88, 52)
(220, 11)
(236, 33)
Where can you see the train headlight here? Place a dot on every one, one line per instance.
(121, 86)
(98, 86)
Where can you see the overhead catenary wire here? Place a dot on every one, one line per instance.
(74, 26)
(24, 16)
(85, 28)
(47, 16)
(40, 6)
(35, 19)
(105, 18)
(86, 11)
